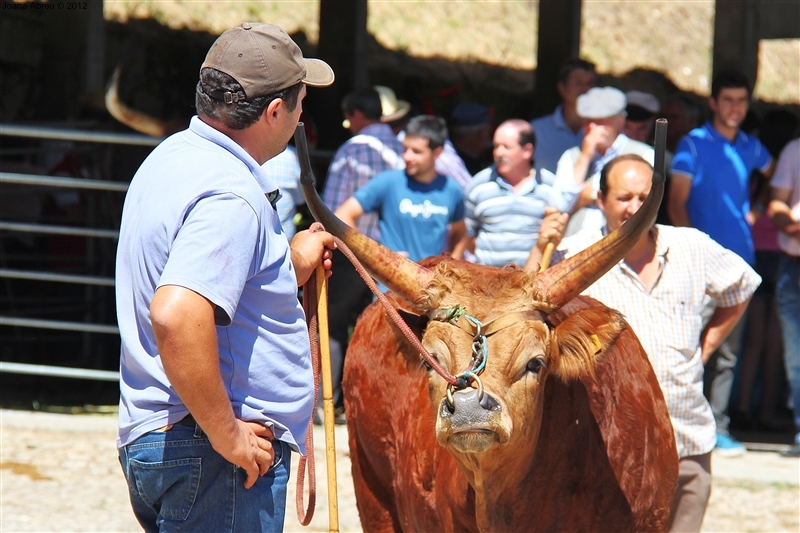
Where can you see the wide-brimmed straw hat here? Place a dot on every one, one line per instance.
(391, 108)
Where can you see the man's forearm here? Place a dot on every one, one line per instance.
(679, 215)
(719, 326)
(780, 213)
(457, 233)
(464, 244)
(534, 260)
(581, 169)
(183, 323)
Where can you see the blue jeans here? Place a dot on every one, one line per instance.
(787, 300)
(177, 482)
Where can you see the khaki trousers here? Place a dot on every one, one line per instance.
(692, 494)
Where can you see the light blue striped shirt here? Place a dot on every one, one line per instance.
(506, 223)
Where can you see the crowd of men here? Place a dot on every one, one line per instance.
(216, 389)
(581, 172)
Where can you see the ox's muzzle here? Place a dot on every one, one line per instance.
(469, 409)
(469, 421)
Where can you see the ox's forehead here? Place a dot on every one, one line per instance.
(503, 347)
(483, 292)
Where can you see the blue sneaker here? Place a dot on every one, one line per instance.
(727, 446)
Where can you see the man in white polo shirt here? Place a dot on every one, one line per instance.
(784, 209)
(603, 112)
(215, 371)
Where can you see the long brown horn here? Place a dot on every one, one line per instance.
(404, 277)
(130, 117)
(569, 278)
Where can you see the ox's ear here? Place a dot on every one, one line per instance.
(413, 320)
(416, 322)
(581, 339)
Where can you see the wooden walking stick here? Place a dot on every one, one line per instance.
(546, 256)
(327, 399)
(321, 288)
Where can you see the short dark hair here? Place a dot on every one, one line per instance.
(242, 112)
(611, 164)
(429, 127)
(571, 65)
(366, 100)
(688, 105)
(729, 79)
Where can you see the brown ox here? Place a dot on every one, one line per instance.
(570, 431)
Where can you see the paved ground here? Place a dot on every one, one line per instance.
(60, 472)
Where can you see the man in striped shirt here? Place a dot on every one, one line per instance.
(505, 203)
(660, 287)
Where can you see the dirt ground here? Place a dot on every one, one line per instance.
(60, 472)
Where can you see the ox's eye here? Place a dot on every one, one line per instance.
(425, 364)
(535, 365)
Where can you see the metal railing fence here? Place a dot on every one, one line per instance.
(40, 182)
(87, 327)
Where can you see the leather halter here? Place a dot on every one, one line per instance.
(457, 316)
(499, 323)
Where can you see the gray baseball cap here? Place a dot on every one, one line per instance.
(641, 106)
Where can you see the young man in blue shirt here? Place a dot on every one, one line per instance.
(710, 191)
(415, 205)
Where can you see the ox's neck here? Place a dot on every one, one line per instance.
(599, 445)
(570, 466)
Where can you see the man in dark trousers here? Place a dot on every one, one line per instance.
(372, 149)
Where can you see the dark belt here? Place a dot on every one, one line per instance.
(187, 420)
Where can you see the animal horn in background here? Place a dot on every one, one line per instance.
(404, 277)
(130, 117)
(571, 277)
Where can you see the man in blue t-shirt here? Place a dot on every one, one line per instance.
(710, 191)
(415, 205)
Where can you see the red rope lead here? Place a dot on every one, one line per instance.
(395, 316)
(310, 309)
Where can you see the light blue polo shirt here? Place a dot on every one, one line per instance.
(196, 215)
(720, 170)
(553, 138)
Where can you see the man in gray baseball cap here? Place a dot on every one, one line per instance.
(603, 112)
(216, 385)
